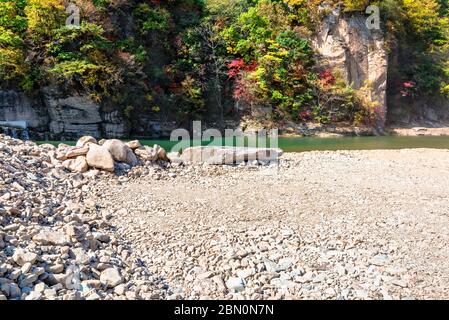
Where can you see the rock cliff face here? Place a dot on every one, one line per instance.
(17, 106)
(72, 115)
(416, 112)
(345, 43)
(52, 116)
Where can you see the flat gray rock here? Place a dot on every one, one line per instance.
(229, 155)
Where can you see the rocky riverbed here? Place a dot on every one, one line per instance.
(318, 225)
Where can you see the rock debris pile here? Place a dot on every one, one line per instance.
(54, 241)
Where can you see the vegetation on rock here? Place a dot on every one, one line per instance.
(148, 57)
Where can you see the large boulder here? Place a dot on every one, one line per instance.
(120, 152)
(174, 157)
(100, 158)
(83, 141)
(75, 152)
(76, 165)
(135, 144)
(154, 153)
(161, 153)
(229, 155)
(67, 152)
(147, 153)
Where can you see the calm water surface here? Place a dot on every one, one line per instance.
(301, 144)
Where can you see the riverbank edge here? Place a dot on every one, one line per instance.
(353, 131)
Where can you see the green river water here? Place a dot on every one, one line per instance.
(302, 144)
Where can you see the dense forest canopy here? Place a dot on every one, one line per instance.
(143, 55)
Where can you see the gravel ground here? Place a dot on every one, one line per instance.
(333, 225)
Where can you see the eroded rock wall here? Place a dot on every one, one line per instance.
(15, 106)
(342, 42)
(52, 116)
(345, 43)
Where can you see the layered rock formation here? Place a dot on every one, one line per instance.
(343, 42)
(16, 106)
(53, 116)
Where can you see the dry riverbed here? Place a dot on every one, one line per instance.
(340, 225)
(320, 225)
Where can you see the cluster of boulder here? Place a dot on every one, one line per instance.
(106, 155)
(109, 155)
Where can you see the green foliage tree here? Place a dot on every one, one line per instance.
(144, 55)
(13, 24)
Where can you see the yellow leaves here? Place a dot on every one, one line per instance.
(356, 5)
(44, 15)
(11, 63)
(231, 50)
(423, 14)
(295, 2)
(55, 4)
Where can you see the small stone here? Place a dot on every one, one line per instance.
(281, 283)
(14, 290)
(49, 237)
(26, 267)
(76, 152)
(83, 141)
(235, 284)
(101, 237)
(12, 227)
(379, 260)
(174, 157)
(220, 283)
(74, 232)
(329, 292)
(246, 273)
(120, 152)
(34, 295)
(130, 295)
(30, 279)
(399, 283)
(93, 296)
(57, 268)
(21, 257)
(81, 256)
(50, 293)
(40, 287)
(15, 274)
(205, 275)
(270, 266)
(95, 284)
(120, 289)
(111, 277)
